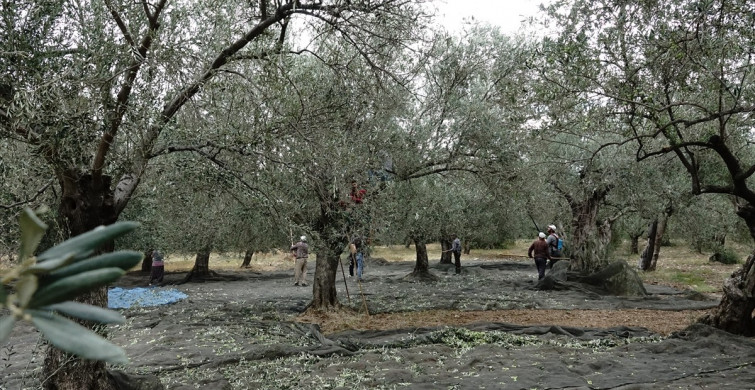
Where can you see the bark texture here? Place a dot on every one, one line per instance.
(331, 226)
(735, 312)
(324, 296)
(86, 202)
(589, 240)
(647, 254)
(445, 255)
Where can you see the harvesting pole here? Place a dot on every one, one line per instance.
(534, 223)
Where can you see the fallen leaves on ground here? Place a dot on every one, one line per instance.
(660, 321)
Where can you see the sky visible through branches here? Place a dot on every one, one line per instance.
(507, 14)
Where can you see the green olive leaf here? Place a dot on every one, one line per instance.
(76, 339)
(87, 312)
(87, 242)
(25, 289)
(32, 231)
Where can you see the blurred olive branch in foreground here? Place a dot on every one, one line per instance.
(43, 286)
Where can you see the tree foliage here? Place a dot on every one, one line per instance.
(43, 286)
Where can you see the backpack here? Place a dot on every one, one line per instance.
(559, 245)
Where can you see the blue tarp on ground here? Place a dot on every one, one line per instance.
(123, 298)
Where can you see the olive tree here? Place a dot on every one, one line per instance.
(96, 87)
(680, 76)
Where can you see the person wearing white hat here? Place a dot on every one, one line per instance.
(539, 249)
(552, 241)
(300, 251)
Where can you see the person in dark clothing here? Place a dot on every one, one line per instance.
(456, 250)
(158, 268)
(539, 249)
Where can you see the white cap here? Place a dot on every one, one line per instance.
(303, 238)
(552, 227)
(541, 235)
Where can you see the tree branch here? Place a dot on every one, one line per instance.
(121, 25)
(32, 199)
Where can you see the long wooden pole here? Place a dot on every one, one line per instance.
(364, 301)
(344, 279)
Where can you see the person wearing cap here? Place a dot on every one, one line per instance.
(552, 241)
(539, 249)
(300, 251)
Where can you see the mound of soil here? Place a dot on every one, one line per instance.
(486, 328)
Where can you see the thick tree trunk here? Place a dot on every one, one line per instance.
(647, 253)
(147, 261)
(590, 239)
(445, 255)
(85, 204)
(201, 269)
(202, 264)
(332, 240)
(734, 313)
(466, 247)
(422, 264)
(324, 295)
(247, 258)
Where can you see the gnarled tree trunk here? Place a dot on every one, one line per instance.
(589, 240)
(324, 296)
(445, 255)
(734, 313)
(332, 240)
(85, 203)
(647, 253)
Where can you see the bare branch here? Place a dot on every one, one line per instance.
(32, 199)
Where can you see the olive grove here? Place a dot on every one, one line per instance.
(95, 90)
(678, 75)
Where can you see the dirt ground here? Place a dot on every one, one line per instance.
(487, 328)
